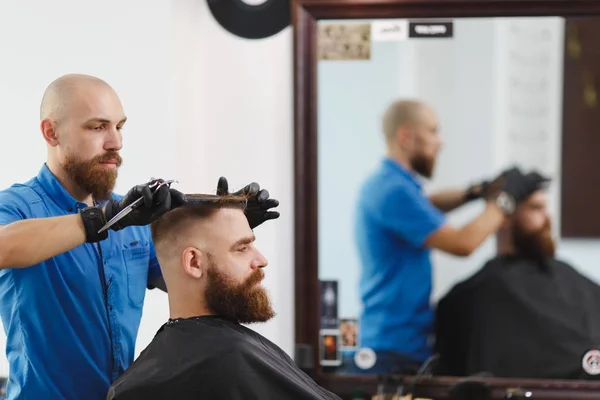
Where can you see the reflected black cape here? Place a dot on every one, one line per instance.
(521, 319)
(211, 358)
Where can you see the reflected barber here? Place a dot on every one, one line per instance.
(397, 225)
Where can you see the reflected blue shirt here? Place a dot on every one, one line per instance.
(71, 321)
(394, 219)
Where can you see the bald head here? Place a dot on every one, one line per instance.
(411, 134)
(401, 113)
(81, 122)
(64, 91)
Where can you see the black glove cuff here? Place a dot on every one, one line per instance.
(93, 221)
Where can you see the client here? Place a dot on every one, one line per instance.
(525, 314)
(213, 272)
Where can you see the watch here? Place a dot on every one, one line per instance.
(506, 203)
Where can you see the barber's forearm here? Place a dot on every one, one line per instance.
(484, 225)
(448, 200)
(31, 241)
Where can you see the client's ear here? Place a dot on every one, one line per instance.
(192, 260)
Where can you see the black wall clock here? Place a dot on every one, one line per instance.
(251, 21)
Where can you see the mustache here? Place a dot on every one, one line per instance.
(111, 155)
(254, 279)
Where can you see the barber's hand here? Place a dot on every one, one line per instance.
(146, 211)
(486, 189)
(476, 191)
(178, 199)
(521, 185)
(513, 182)
(259, 203)
(494, 187)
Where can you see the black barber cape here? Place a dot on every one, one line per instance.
(521, 319)
(211, 358)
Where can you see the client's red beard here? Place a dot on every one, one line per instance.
(538, 245)
(92, 177)
(244, 303)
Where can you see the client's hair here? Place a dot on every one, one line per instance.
(197, 207)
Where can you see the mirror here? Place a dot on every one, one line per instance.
(502, 91)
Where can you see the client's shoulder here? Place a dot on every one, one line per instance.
(204, 348)
(211, 332)
(567, 270)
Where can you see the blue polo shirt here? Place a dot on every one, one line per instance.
(71, 321)
(394, 218)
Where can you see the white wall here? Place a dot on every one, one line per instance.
(201, 103)
(483, 85)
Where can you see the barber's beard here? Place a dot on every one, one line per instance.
(91, 176)
(423, 165)
(243, 303)
(538, 245)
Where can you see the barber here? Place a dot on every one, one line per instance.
(71, 298)
(397, 225)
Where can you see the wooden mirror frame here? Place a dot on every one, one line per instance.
(305, 14)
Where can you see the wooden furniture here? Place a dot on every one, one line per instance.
(305, 14)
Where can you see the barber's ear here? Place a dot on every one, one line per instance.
(48, 128)
(193, 262)
(405, 137)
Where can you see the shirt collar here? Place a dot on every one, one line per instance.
(392, 165)
(56, 190)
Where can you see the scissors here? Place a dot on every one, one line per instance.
(121, 214)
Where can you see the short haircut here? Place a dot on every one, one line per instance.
(198, 207)
(399, 113)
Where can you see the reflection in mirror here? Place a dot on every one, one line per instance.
(429, 243)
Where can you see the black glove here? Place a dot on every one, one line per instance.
(516, 184)
(536, 181)
(501, 183)
(476, 191)
(148, 210)
(259, 203)
(178, 199)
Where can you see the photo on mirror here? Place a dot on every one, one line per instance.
(329, 348)
(329, 304)
(349, 334)
(344, 41)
